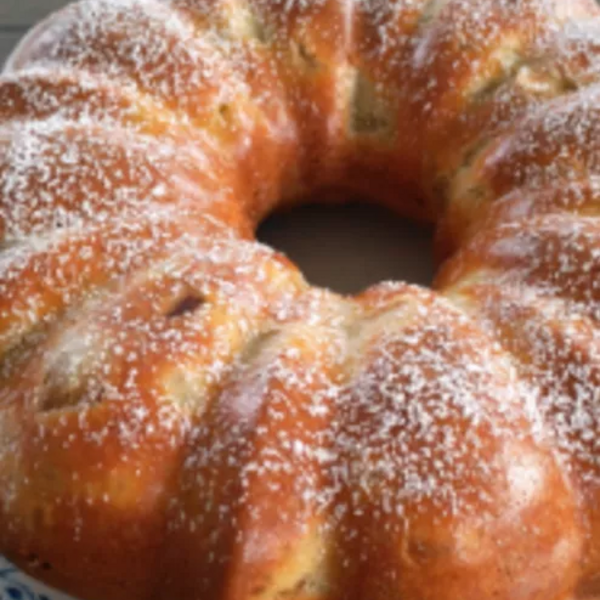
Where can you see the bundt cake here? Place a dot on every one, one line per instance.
(183, 416)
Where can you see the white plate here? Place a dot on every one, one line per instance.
(15, 585)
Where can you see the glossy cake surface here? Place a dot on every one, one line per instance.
(183, 416)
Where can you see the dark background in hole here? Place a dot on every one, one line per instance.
(349, 248)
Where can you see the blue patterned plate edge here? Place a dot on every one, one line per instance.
(15, 585)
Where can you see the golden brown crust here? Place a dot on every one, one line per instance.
(182, 415)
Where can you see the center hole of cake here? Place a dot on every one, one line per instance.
(351, 247)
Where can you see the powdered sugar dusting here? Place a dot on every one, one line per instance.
(547, 291)
(179, 379)
(60, 175)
